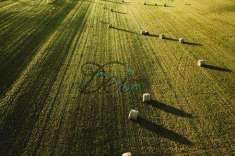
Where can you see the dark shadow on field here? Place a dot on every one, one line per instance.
(158, 5)
(216, 68)
(169, 109)
(193, 44)
(170, 39)
(125, 30)
(163, 132)
(150, 35)
(167, 6)
(12, 67)
(119, 12)
(133, 32)
(149, 4)
(185, 42)
(19, 118)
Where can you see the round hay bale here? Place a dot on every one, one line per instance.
(133, 114)
(126, 154)
(144, 32)
(146, 97)
(164, 5)
(201, 62)
(111, 10)
(145, 3)
(161, 36)
(155, 4)
(181, 40)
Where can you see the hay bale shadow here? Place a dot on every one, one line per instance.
(149, 4)
(133, 32)
(167, 6)
(158, 5)
(163, 132)
(169, 109)
(191, 43)
(150, 35)
(185, 42)
(125, 30)
(212, 67)
(170, 39)
(119, 12)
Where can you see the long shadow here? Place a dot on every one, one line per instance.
(191, 43)
(185, 42)
(170, 39)
(150, 4)
(150, 35)
(158, 5)
(216, 68)
(125, 30)
(169, 109)
(163, 132)
(119, 12)
(167, 6)
(13, 66)
(133, 32)
(26, 109)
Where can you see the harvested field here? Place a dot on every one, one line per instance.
(68, 80)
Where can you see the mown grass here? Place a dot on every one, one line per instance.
(18, 57)
(44, 112)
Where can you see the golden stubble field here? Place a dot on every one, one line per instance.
(68, 81)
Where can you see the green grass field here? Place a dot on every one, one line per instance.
(68, 82)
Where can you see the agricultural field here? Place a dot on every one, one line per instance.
(71, 71)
